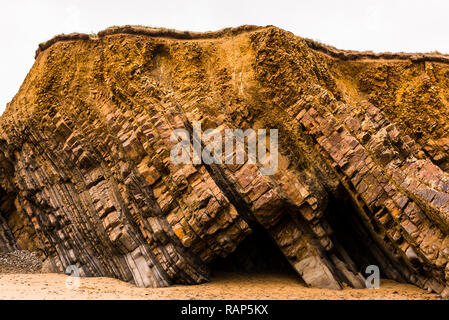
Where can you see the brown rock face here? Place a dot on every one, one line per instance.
(86, 177)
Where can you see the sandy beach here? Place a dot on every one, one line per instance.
(223, 286)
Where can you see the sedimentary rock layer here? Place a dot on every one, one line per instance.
(86, 177)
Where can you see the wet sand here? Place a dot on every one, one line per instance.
(223, 286)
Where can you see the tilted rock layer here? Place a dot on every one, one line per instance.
(86, 177)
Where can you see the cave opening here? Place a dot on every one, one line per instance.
(354, 243)
(354, 246)
(256, 254)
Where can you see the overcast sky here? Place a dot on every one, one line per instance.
(378, 25)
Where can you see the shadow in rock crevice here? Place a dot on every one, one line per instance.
(355, 244)
(7, 207)
(256, 255)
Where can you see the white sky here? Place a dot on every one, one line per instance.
(378, 25)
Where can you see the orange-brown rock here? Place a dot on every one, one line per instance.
(86, 177)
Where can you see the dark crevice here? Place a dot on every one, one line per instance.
(256, 254)
(354, 243)
(7, 208)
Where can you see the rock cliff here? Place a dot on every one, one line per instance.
(363, 178)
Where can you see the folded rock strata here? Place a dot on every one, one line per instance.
(86, 177)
